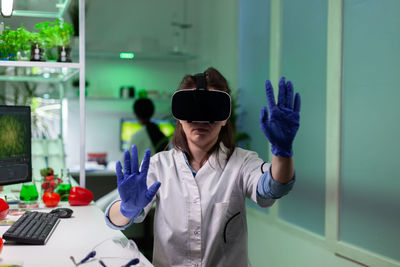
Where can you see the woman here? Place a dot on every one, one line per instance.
(199, 187)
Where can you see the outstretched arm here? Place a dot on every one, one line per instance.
(132, 188)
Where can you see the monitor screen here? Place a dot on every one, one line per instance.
(129, 126)
(15, 144)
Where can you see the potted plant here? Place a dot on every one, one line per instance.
(14, 43)
(23, 40)
(9, 44)
(56, 34)
(65, 31)
(45, 35)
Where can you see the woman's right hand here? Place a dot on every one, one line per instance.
(132, 184)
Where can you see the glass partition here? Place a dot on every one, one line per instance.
(304, 63)
(370, 199)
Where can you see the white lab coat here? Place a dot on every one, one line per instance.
(201, 221)
(142, 141)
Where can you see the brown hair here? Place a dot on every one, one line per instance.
(218, 82)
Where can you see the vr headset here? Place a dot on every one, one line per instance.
(201, 104)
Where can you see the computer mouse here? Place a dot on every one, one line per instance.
(62, 212)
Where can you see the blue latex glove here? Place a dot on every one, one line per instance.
(132, 185)
(284, 121)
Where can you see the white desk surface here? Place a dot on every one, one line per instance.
(75, 236)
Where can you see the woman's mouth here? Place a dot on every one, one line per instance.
(200, 129)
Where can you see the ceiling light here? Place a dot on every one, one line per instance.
(126, 55)
(7, 8)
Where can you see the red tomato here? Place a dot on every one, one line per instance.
(3, 209)
(49, 178)
(1, 244)
(45, 185)
(51, 199)
(79, 196)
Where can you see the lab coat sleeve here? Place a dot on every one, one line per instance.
(269, 188)
(152, 177)
(250, 174)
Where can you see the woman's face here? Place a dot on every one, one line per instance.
(202, 134)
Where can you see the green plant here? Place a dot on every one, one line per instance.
(10, 44)
(44, 32)
(3, 50)
(23, 37)
(55, 33)
(35, 38)
(13, 41)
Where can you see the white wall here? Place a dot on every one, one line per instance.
(282, 248)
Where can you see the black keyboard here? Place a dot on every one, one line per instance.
(32, 228)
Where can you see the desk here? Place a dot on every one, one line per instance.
(75, 236)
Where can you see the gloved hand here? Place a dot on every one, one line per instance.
(281, 127)
(132, 185)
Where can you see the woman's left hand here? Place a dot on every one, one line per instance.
(281, 126)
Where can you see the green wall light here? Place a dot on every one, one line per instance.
(126, 55)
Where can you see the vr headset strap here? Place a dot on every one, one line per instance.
(201, 81)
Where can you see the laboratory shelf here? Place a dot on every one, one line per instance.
(45, 77)
(31, 71)
(42, 64)
(41, 9)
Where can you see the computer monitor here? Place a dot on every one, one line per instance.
(129, 126)
(15, 144)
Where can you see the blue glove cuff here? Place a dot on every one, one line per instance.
(129, 212)
(283, 152)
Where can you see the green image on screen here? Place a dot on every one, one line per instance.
(13, 136)
(167, 128)
(15, 144)
(130, 126)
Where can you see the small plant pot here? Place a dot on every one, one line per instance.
(64, 54)
(36, 53)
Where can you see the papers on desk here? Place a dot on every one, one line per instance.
(12, 217)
